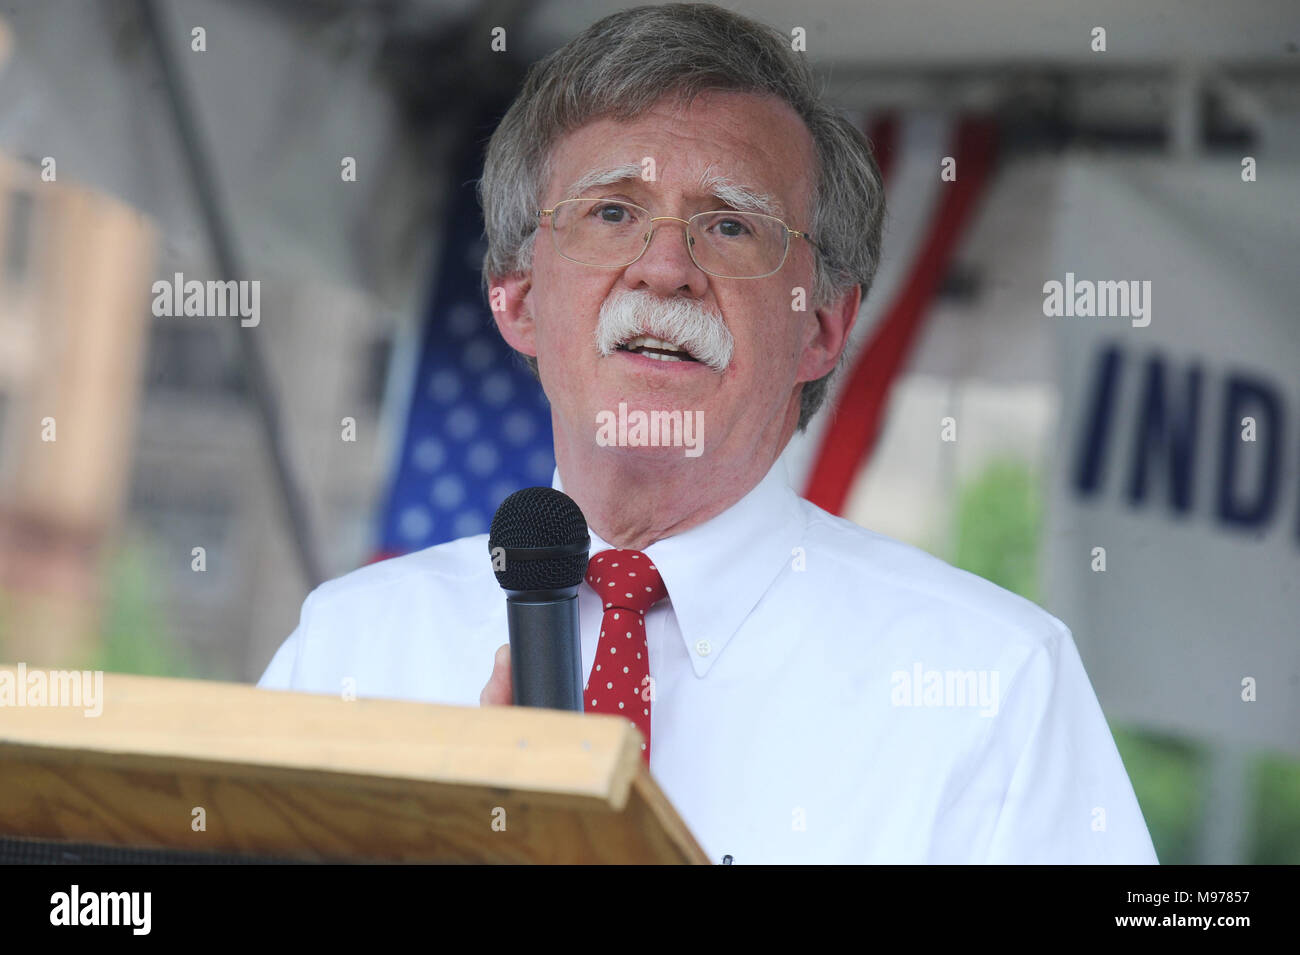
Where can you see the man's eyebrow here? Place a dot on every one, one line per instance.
(603, 177)
(739, 196)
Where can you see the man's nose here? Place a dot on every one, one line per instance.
(666, 265)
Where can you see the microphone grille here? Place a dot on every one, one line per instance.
(539, 517)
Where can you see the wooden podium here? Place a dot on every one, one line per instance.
(204, 767)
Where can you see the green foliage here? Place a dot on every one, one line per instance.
(1166, 776)
(134, 638)
(998, 519)
(1277, 811)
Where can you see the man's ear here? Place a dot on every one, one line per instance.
(508, 299)
(828, 334)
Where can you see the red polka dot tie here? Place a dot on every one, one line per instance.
(628, 585)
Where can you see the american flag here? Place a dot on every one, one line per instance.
(478, 427)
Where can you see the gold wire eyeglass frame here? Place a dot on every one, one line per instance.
(686, 234)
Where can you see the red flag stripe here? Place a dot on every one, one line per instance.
(883, 135)
(850, 436)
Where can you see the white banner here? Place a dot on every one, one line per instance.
(1173, 538)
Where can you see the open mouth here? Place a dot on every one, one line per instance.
(656, 348)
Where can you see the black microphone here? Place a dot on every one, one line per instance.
(538, 544)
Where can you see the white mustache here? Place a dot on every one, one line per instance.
(686, 323)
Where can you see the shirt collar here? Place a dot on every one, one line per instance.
(717, 572)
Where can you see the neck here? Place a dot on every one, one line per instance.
(633, 497)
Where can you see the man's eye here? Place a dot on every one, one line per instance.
(610, 213)
(731, 228)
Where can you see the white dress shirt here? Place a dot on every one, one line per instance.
(817, 689)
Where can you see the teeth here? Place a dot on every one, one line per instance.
(649, 341)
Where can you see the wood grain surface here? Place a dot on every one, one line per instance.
(320, 778)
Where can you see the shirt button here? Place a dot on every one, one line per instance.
(702, 647)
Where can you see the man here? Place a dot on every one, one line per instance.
(677, 225)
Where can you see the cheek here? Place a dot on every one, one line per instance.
(569, 319)
(566, 338)
(779, 333)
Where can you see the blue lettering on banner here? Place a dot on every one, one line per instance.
(1262, 402)
(1164, 446)
(1164, 429)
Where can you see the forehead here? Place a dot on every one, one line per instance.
(723, 147)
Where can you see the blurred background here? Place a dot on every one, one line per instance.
(172, 486)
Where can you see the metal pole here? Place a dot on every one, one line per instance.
(1227, 813)
(205, 188)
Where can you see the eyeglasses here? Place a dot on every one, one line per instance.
(612, 234)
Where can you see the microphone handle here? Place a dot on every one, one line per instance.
(545, 648)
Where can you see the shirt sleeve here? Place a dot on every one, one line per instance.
(1069, 799)
(281, 671)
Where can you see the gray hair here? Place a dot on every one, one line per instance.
(623, 65)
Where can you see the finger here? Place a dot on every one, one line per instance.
(499, 690)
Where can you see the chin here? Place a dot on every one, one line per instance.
(654, 433)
